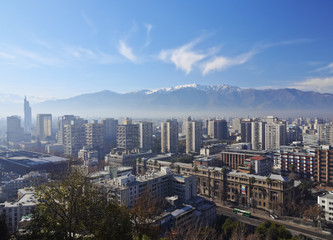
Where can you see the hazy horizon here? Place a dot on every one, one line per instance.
(56, 50)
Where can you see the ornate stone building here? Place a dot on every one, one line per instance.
(269, 193)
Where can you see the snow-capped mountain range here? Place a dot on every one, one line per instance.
(192, 99)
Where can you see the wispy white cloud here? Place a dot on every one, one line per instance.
(328, 68)
(6, 56)
(88, 21)
(281, 43)
(323, 85)
(126, 51)
(85, 54)
(148, 27)
(183, 57)
(32, 58)
(221, 63)
(53, 56)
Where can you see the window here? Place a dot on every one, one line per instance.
(323, 201)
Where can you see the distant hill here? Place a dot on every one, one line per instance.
(181, 101)
(195, 100)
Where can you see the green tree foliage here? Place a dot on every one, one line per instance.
(184, 159)
(272, 231)
(228, 228)
(72, 209)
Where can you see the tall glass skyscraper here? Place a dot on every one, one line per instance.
(27, 116)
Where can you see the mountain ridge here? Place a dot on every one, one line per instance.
(191, 99)
(194, 98)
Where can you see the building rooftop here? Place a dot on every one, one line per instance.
(180, 211)
(257, 158)
(327, 195)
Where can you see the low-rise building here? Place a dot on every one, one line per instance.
(326, 202)
(128, 189)
(15, 210)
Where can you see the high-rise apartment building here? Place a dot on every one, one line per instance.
(44, 126)
(169, 136)
(14, 129)
(236, 125)
(275, 133)
(74, 138)
(324, 166)
(325, 133)
(94, 135)
(184, 124)
(27, 117)
(258, 135)
(110, 130)
(218, 129)
(246, 125)
(64, 120)
(193, 136)
(146, 136)
(128, 136)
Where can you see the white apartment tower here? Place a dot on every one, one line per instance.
(325, 133)
(258, 135)
(193, 136)
(275, 133)
(169, 136)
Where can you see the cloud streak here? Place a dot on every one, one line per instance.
(220, 63)
(53, 56)
(88, 22)
(322, 85)
(183, 57)
(148, 27)
(328, 68)
(126, 51)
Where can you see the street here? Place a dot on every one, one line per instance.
(257, 220)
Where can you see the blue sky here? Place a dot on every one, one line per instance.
(58, 49)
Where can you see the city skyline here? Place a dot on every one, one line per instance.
(60, 50)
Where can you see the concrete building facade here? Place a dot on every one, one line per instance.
(44, 126)
(193, 136)
(169, 136)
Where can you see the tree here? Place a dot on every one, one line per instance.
(228, 228)
(195, 232)
(315, 213)
(143, 214)
(71, 208)
(4, 233)
(269, 183)
(196, 169)
(293, 175)
(239, 232)
(252, 180)
(224, 194)
(272, 231)
(305, 187)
